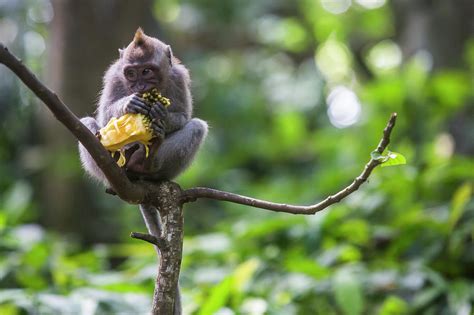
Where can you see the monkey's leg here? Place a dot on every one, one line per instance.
(178, 150)
(87, 161)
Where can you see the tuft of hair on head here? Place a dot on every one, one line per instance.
(139, 38)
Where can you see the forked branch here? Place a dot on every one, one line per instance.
(193, 194)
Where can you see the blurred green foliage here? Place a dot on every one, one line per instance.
(295, 110)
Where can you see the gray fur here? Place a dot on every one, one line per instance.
(183, 135)
(176, 152)
(152, 220)
(87, 162)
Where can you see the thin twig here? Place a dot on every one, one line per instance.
(157, 241)
(115, 175)
(193, 194)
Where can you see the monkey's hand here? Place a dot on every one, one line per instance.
(159, 119)
(158, 114)
(136, 105)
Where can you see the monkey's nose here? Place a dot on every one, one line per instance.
(141, 87)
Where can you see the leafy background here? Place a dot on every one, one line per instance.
(296, 94)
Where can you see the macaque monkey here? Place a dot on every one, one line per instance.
(144, 64)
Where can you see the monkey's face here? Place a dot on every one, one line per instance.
(142, 77)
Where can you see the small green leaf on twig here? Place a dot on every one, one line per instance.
(389, 158)
(394, 158)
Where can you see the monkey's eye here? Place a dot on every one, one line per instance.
(147, 73)
(131, 74)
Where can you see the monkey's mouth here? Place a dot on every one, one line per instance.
(143, 87)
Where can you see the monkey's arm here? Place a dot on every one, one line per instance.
(115, 109)
(178, 149)
(179, 113)
(176, 121)
(87, 161)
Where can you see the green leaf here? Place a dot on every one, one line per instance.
(217, 297)
(451, 88)
(243, 274)
(356, 231)
(389, 158)
(458, 204)
(394, 158)
(425, 297)
(233, 284)
(9, 309)
(459, 296)
(307, 266)
(348, 292)
(124, 287)
(393, 305)
(37, 256)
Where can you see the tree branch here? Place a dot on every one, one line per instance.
(193, 194)
(115, 175)
(157, 241)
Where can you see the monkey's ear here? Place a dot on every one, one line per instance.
(169, 54)
(139, 37)
(120, 50)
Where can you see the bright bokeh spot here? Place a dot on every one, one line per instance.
(34, 43)
(254, 306)
(343, 107)
(288, 33)
(41, 12)
(336, 6)
(333, 60)
(8, 30)
(294, 88)
(384, 56)
(188, 19)
(166, 10)
(219, 68)
(371, 4)
(444, 145)
(425, 59)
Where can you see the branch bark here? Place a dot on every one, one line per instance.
(193, 194)
(169, 246)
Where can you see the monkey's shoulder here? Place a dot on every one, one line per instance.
(179, 73)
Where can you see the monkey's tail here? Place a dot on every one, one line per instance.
(152, 220)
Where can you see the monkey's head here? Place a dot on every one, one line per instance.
(146, 62)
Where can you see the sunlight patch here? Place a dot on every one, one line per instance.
(344, 107)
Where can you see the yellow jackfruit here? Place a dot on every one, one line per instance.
(130, 128)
